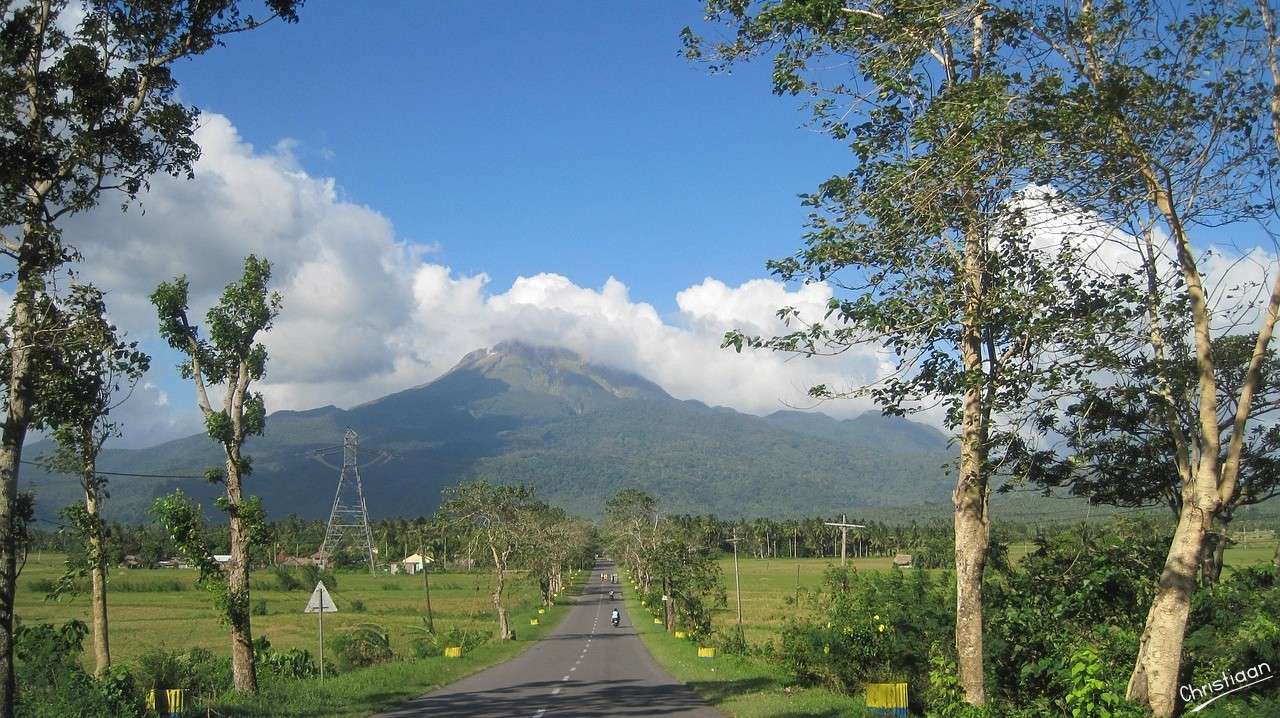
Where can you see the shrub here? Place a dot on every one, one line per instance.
(1091, 694)
(285, 579)
(168, 585)
(1236, 627)
(362, 645)
(867, 628)
(197, 670)
(357, 606)
(51, 682)
(312, 574)
(1078, 589)
(295, 663)
(428, 644)
(259, 607)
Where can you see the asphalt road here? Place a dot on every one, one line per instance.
(586, 667)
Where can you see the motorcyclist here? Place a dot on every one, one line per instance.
(616, 617)
(611, 595)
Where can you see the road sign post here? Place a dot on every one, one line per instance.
(321, 602)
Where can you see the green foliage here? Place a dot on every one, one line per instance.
(184, 521)
(52, 683)
(197, 670)
(674, 562)
(362, 645)
(1234, 626)
(285, 578)
(944, 697)
(259, 607)
(1090, 695)
(866, 628)
(357, 606)
(293, 664)
(313, 574)
(427, 644)
(1081, 588)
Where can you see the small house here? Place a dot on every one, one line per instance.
(903, 560)
(411, 564)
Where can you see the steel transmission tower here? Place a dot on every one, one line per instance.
(349, 518)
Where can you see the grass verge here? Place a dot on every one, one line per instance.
(741, 686)
(369, 690)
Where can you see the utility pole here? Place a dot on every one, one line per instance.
(426, 583)
(844, 526)
(737, 585)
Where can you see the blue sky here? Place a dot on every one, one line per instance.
(431, 178)
(521, 137)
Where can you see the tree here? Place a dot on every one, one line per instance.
(86, 106)
(1160, 115)
(1119, 450)
(928, 241)
(674, 562)
(80, 388)
(498, 521)
(631, 521)
(231, 357)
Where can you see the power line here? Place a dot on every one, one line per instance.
(121, 473)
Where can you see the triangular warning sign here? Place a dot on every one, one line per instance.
(320, 601)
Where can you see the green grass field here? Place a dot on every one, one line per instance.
(163, 608)
(143, 619)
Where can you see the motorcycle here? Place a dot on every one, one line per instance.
(616, 619)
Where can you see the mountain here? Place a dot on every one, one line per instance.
(893, 432)
(576, 431)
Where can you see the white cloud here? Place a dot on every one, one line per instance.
(366, 314)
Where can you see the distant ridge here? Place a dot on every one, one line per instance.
(575, 430)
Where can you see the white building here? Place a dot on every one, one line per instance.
(411, 564)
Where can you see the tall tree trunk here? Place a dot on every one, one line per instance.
(1155, 675)
(243, 676)
(668, 607)
(97, 572)
(972, 523)
(504, 625)
(18, 417)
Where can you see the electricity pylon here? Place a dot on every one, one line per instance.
(349, 519)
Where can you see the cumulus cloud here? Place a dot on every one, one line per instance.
(366, 313)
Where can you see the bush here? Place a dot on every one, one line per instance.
(259, 607)
(357, 606)
(1078, 589)
(1236, 627)
(51, 682)
(312, 574)
(428, 644)
(366, 644)
(295, 663)
(198, 670)
(285, 579)
(868, 628)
